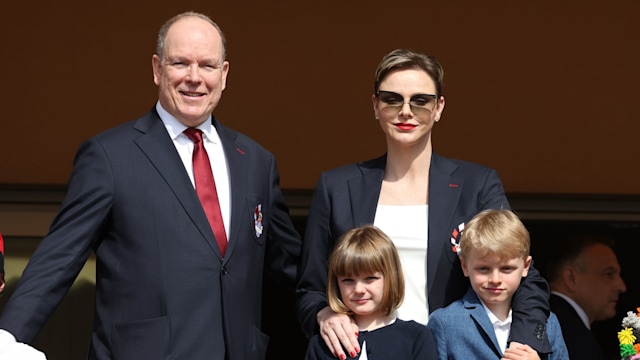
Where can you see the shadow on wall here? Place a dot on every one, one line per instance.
(68, 332)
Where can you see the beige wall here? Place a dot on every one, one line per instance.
(544, 91)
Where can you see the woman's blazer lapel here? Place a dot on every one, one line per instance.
(364, 190)
(444, 195)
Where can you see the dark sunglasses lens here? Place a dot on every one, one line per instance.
(390, 98)
(421, 100)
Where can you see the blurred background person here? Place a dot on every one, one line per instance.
(584, 275)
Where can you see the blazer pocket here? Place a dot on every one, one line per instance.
(148, 339)
(259, 344)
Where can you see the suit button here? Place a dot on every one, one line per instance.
(224, 271)
(540, 331)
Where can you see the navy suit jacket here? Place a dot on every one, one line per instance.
(347, 197)
(162, 289)
(581, 342)
(463, 330)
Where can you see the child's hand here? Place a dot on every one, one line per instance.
(520, 352)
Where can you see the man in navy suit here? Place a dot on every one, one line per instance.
(584, 275)
(164, 288)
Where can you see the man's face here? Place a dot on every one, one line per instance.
(192, 74)
(598, 285)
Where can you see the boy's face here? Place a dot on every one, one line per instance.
(493, 278)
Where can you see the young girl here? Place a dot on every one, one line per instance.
(365, 281)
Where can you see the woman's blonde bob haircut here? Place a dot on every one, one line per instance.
(361, 251)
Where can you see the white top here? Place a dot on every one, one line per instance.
(215, 151)
(501, 328)
(407, 226)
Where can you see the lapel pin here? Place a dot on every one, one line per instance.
(257, 220)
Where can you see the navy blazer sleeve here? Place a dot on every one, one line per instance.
(316, 247)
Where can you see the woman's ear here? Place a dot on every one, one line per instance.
(374, 100)
(439, 108)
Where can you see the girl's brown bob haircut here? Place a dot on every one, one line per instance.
(362, 251)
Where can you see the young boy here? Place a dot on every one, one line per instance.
(494, 254)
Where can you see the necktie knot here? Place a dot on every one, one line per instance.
(194, 134)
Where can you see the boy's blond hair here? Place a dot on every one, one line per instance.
(498, 232)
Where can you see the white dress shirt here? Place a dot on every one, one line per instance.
(501, 328)
(215, 151)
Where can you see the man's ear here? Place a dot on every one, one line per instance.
(569, 277)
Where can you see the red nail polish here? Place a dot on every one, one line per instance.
(357, 334)
(353, 354)
(342, 357)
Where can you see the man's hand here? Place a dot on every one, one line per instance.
(517, 351)
(10, 349)
(338, 331)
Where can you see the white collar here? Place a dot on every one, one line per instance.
(175, 127)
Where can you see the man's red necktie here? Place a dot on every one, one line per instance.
(206, 187)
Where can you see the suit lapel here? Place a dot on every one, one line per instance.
(364, 191)
(157, 145)
(479, 315)
(237, 157)
(444, 194)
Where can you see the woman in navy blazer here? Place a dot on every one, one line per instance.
(407, 102)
